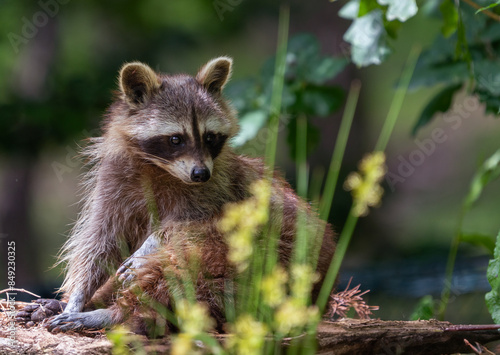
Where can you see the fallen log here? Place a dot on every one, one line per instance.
(346, 336)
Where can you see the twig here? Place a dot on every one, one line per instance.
(19, 290)
(488, 13)
(472, 327)
(478, 349)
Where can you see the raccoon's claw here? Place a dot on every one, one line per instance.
(40, 310)
(77, 321)
(64, 322)
(125, 272)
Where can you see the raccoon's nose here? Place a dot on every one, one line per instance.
(200, 174)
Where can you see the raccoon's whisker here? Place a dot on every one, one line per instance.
(154, 157)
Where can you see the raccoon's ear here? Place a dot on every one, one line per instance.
(138, 82)
(215, 74)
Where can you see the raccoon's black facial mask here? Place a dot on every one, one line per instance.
(175, 146)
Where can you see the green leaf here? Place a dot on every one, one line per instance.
(400, 10)
(250, 124)
(492, 102)
(319, 100)
(243, 94)
(487, 172)
(487, 73)
(424, 309)
(367, 6)
(304, 63)
(440, 103)
(493, 297)
(488, 7)
(450, 18)
(368, 39)
(303, 46)
(452, 73)
(324, 69)
(486, 241)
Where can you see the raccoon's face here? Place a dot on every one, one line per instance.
(188, 148)
(179, 123)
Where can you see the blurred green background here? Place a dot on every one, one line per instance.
(59, 62)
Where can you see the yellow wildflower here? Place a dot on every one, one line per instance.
(274, 287)
(365, 185)
(293, 316)
(193, 319)
(302, 279)
(248, 336)
(120, 338)
(182, 344)
(242, 220)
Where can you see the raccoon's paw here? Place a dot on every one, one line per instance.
(125, 272)
(78, 321)
(39, 310)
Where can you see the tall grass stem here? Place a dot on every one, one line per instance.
(339, 149)
(397, 101)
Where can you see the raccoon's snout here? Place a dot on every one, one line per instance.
(200, 174)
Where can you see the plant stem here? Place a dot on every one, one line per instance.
(450, 265)
(338, 151)
(278, 82)
(397, 101)
(301, 242)
(301, 149)
(488, 13)
(334, 268)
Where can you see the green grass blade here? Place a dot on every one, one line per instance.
(334, 268)
(338, 152)
(278, 82)
(398, 99)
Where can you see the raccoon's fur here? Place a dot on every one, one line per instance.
(162, 172)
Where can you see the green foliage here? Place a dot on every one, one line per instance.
(26, 127)
(487, 172)
(450, 18)
(490, 6)
(440, 103)
(482, 240)
(493, 297)
(424, 309)
(306, 91)
(374, 21)
(466, 55)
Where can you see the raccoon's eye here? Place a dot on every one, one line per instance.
(210, 138)
(175, 140)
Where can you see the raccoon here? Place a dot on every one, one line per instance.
(161, 175)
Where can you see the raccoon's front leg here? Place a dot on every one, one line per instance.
(75, 321)
(151, 245)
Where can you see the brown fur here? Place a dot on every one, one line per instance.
(127, 196)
